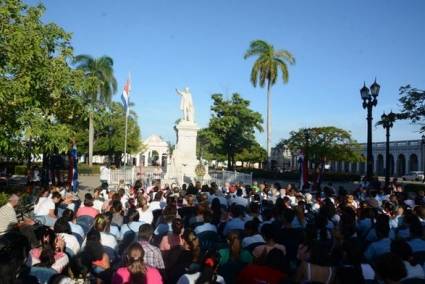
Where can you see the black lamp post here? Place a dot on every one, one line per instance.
(306, 137)
(369, 101)
(387, 122)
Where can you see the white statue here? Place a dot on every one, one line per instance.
(186, 104)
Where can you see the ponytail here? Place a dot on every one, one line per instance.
(208, 271)
(234, 246)
(135, 265)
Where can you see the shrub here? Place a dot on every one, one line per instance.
(4, 198)
(414, 187)
(85, 169)
(21, 170)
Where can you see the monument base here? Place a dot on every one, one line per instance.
(181, 166)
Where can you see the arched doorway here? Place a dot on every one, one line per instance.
(401, 165)
(413, 162)
(153, 158)
(354, 167)
(391, 165)
(380, 165)
(142, 160)
(164, 160)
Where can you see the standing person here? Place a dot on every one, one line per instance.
(8, 219)
(105, 174)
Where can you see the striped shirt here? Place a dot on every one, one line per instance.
(7, 218)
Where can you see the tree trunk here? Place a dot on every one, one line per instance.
(229, 162)
(269, 125)
(91, 138)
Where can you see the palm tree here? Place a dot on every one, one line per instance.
(266, 70)
(102, 69)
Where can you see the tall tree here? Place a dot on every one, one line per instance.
(111, 132)
(102, 69)
(231, 127)
(412, 105)
(265, 71)
(40, 101)
(327, 143)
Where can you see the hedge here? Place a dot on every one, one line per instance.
(414, 187)
(328, 176)
(84, 169)
(4, 198)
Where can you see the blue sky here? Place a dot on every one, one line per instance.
(200, 44)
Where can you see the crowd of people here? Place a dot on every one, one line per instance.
(237, 233)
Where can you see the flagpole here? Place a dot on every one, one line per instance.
(126, 130)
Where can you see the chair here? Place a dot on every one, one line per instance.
(78, 237)
(112, 254)
(419, 256)
(43, 274)
(86, 222)
(412, 281)
(208, 240)
(251, 247)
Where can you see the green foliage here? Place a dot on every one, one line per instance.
(4, 198)
(84, 169)
(40, 94)
(327, 143)
(253, 154)
(106, 141)
(231, 128)
(268, 64)
(102, 69)
(414, 187)
(20, 170)
(412, 105)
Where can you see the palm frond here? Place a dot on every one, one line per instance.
(285, 56)
(257, 47)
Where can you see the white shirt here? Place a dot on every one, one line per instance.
(71, 242)
(104, 173)
(108, 240)
(145, 216)
(191, 278)
(98, 205)
(43, 206)
(252, 240)
(205, 228)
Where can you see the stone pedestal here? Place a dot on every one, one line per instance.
(181, 166)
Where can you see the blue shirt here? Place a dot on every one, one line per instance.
(233, 224)
(133, 226)
(377, 248)
(417, 244)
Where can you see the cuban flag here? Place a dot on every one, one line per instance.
(126, 95)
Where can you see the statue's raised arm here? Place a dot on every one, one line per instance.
(186, 104)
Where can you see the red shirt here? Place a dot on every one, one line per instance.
(87, 211)
(258, 274)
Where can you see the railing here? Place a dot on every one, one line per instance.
(123, 174)
(221, 177)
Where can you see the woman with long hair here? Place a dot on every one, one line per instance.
(135, 270)
(173, 238)
(206, 274)
(234, 252)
